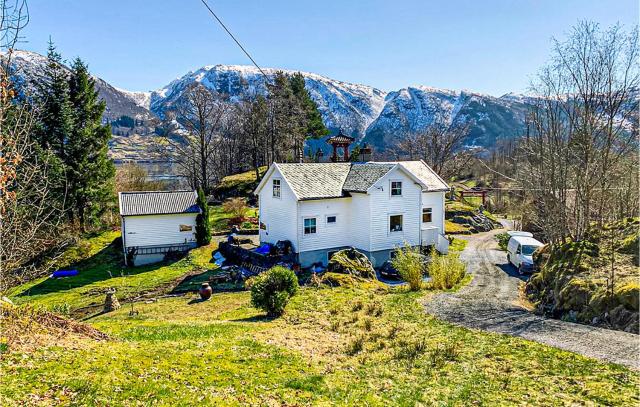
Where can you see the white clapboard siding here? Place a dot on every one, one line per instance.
(383, 205)
(435, 201)
(327, 235)
(157, 230)
(359, 234)
(278, 214)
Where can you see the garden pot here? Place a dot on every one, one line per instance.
(205, 291)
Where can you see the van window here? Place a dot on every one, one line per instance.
(527, 250)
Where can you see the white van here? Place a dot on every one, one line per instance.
(520, 250)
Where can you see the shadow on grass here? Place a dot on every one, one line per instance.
(255, 318)
(105, 264)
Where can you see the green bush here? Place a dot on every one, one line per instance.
(408, 262)
(503, 240)
(272, 289)
(445, 271)
(351, 261)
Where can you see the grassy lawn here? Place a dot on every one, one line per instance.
(218, 218)
(347, 345)
(100, 265)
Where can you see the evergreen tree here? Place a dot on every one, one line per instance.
(54, 125)
(56, 121)
(90, 171)
(203, 229)
(314, 126)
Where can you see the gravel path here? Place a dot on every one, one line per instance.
(491, 303)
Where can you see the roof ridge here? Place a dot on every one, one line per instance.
(156, 192)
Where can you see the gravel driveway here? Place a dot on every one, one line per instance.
(491, 303)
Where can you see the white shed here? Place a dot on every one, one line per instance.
(155, 223)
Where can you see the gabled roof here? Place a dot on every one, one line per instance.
(158, 202)
(425, 174)
(336, 180)
(363, 175)
(315, 180)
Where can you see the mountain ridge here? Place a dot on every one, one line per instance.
(371, 115)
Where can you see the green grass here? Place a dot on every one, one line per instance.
(101, 267)
(344, 346)
(457, 245)
(454, 228)
(218, 218)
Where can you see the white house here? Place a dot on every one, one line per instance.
(374, 207)
(155, 223)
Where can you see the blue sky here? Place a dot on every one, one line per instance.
(490, 46)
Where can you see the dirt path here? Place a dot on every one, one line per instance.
(491, 303)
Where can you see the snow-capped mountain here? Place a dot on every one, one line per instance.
(28, 68)
(369, 114)
(346, 106)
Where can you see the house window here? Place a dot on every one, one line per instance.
(276, 188)
(427, 215)
(186, 228)
(331, 220)
(396, 188)
(395, 223)
(309, 226)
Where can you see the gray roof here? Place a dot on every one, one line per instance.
(158, 202)
(363, 175)
(335, 180)
(315, 180)
(426, 175)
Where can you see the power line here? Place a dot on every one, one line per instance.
(235, 39)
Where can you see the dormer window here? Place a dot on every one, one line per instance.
(276, 188)
(396, 188)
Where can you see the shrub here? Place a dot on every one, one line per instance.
(408, 262)
(271, 290)
(351, 261)
(237, 207)
(445, 271)
(503, 240)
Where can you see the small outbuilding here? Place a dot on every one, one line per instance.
(155, 224)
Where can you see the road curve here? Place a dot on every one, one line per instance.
(491, 303)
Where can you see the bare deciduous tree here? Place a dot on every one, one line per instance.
(202, 113)
(583, 132)
(441, 145)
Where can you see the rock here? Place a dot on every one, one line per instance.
(111, 301)
(351, 261)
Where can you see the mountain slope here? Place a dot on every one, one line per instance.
(28, 69)
(369, 114)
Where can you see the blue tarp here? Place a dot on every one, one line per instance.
(64, 273)
(265, 248)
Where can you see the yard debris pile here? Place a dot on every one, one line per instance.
(577, 281)
(350, 261)
(26, 328)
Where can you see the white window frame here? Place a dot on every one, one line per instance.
(273, 188)
(391, 188)
(315, 219)
(331, 224)
(422, 214)
(401, 224)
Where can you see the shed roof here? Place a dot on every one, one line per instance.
(158, 202)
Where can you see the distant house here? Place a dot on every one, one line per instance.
(374, 207)
(156, 223)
